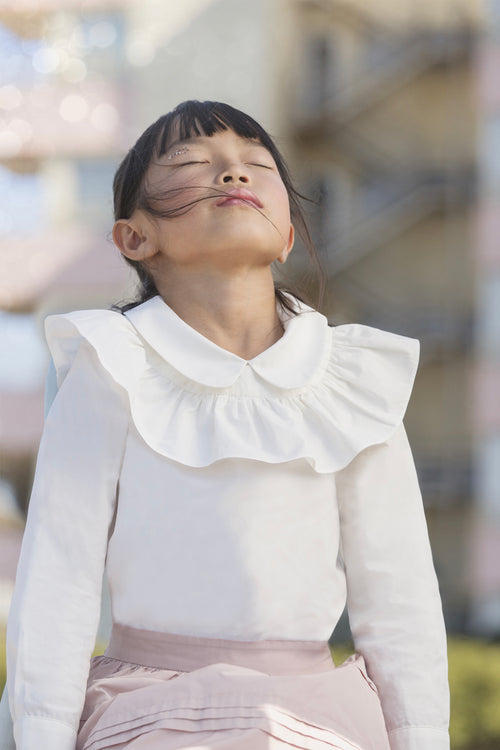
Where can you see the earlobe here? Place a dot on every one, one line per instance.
(133, 240)
(288, 247)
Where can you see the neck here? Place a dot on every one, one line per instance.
(236, 313)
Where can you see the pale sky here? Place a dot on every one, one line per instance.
(24, 357)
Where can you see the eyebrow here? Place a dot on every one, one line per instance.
(181, 142)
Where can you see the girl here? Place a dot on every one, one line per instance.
(240, 469)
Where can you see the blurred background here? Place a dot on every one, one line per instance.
(389, 116)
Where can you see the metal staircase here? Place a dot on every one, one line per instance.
(405, 59)
(417, 190)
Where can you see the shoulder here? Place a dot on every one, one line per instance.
(82, 345)
(379, 366)
(365, 346)
(364, 391)
(368, 337)
(374, 357)
(104, 335)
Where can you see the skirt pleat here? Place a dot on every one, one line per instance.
(227, 706)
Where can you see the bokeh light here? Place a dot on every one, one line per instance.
(102, 34)
(104, 117)
(73, 70)
(140, 52)
(73, 108)
(45, 60)
(10, 143)
(10, 97)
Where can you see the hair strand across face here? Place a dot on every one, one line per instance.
(190, 119)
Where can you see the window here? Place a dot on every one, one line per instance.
(23, 353)
(95, 177)
(21, 209)
(16, 59)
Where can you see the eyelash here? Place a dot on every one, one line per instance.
(252, 164)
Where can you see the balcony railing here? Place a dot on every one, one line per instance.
(445, 483)
(417, 199)
(406, 58)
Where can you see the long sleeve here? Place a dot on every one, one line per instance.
(55, 608)
(392, 592)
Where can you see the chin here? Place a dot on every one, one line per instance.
(250, 252)
(246, 238)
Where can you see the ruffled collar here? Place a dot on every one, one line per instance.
(292, 362)
(321, 394)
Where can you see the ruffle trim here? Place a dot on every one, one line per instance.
(269, 720)
(357, 398)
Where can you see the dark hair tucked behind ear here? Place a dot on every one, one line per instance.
(194, 118)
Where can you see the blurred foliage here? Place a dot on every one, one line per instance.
(2, 658)
(475, 694)
(474, 684)
(474, 672)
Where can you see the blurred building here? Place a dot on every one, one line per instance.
(79, 81)
(385, 116)
(376, 107)
(485, 551)
(59, 142)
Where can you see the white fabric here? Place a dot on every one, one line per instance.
(237, 481)
(417, 738)
(319, 393)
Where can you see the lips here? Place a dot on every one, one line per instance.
(241, 196)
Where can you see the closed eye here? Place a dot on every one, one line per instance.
(265, 166)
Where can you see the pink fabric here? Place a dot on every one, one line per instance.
(185, 653)
(227, 700)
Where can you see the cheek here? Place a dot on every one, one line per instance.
(283, 205)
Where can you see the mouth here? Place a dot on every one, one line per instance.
(239, 197)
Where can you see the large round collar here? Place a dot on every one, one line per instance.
(291, 362)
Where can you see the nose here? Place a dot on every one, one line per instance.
(234, 173)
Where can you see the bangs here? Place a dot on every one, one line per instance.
(194, 118)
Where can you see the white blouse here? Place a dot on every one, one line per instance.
(226, 498)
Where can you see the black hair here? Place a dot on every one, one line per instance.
(189, 119)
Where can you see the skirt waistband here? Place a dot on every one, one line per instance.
(184, 653)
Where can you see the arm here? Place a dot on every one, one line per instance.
(55, 608)
(6, 729)
(392, 593)
(6, 736)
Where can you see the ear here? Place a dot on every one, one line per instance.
(286, 250)
(135, 237)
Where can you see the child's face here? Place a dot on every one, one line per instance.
(244, 217)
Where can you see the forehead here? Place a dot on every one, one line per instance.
(177, 136)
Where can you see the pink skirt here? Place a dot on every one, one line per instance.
(158, 691)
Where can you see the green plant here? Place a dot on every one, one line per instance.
(2, 659)
(474, 669)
